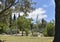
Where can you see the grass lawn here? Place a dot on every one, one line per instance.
(26, 39)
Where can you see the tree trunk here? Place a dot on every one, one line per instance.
(10, 25)
(22, 32)
(57, 21)
(26, 33)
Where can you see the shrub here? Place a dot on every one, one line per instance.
(49, 30)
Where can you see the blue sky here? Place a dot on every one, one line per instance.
(48, 6)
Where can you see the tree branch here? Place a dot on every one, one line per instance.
(2, 12)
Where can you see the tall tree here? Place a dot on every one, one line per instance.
(7, 5)
(49, 29)
(10, 24)
(57, 21)
(6, 10)
(27, 23)
(15, 24)
(44, 23)
(20, 23)
(25, 6)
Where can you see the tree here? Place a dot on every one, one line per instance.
(20, 23)
(42, 25)
(3, 28)
(27, 23)
(13, 24)
(23, 24)
(7, 5)
(6, 11)
(49, 29)
(24, 6)
(10, 24)
(57, 21)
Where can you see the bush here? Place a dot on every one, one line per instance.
(34, 33)
(3, 28)
(49, 30)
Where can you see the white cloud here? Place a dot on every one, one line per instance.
(40, 12)
(0, 2)
(21, 13)
(17, 13)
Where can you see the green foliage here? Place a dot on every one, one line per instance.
(10, 25)
(24, 23)
(3, 28)
(20, 22)
(49, 30)
(41, 25)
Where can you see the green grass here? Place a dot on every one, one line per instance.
(26, 39)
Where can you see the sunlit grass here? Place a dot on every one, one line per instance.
(26, 39)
